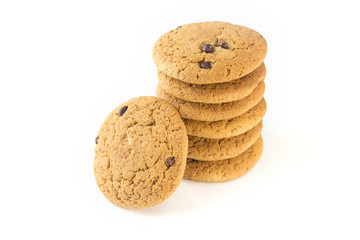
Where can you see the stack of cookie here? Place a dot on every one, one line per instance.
(213, 73)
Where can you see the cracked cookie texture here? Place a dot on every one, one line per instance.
(209, 149)
(216, 111)
(224, 170)
(228, 127)
(213, 93)
(141, 151)
(232, 52)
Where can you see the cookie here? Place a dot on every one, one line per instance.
(140, 155)
(224, 170)
(227, 128)
(209, 52)
(213, 112)
(213, 93)
(210, 149)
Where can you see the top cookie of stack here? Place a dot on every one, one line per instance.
(209, 52)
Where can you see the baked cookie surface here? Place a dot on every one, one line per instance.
(209, 149)
(140, 155)
(224, 170)
(216, 111)
(209, 52)
(213, 93)
(229, 127)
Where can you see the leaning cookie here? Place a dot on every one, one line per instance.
(209, 52)
(229, 127)
(208, 149)
(224, 170)
(141, 152)
(213, 93)
(213, 112)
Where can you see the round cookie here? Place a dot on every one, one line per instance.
(209, 52)
(229, 127)
(140, 153)
(213, 93)
(213, 112)
(224, 170)
(210, 149)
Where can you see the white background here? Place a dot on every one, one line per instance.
(64, 65)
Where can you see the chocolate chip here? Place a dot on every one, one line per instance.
(178, 27)
(189, 160)
(97, 139)
(170, 161)
(222, 44)
(123, 110)
(206, 65)
(207, 48)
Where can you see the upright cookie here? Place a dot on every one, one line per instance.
(141, 151)
(213, 112)
(209, 52)
(224, 170)
(229, 127)
(213, 93)
(209, 149)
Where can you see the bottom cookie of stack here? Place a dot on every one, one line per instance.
(224, 170)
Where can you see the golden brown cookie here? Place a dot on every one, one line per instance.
(224, 170)
(213, 93)
(229, 127)
(216, 111)
(209, 52)
(210, 149)
(141, 151)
